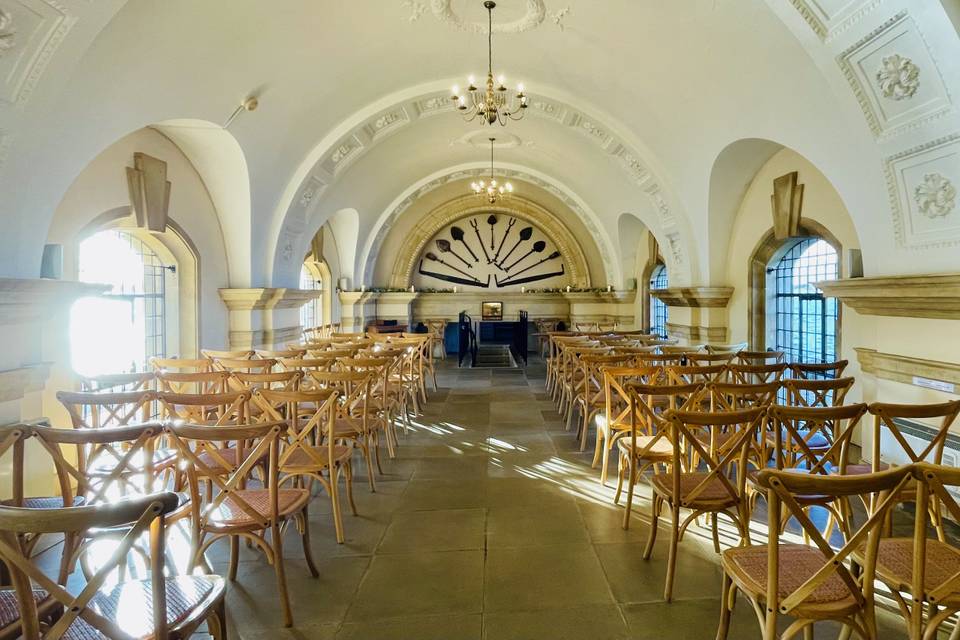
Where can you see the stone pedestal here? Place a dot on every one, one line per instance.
(356, 309)
(264, 318)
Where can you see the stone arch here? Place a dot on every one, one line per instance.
(406, 260)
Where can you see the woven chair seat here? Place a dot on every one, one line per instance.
(229, 454)
(797, 563)
(300, 460)
(662, 449)
(229, 513)
(10, 609)
(713, 495)
(51, 502)
(895, 565)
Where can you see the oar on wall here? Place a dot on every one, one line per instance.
(538, 247)
(525, 234)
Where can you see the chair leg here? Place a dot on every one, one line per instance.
(376, 451)
(335, 503)
(585, 428)
(631, 470)
(234, 557)
(368, 460)
(672, 555)
(304, 526)
(715, 532)
(278, 567)
(727, 602)
(348, 473)
(654, 525)
(620, 471)
(220, 613)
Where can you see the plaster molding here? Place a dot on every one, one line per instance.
(34, 31)
(449, 212)
(23, 299)
(266, 299)
(827, 26)
(694, 297)
(906, 175)
(16, 383)
(535, 12)
(914, 100)
(897, 368)
(921, 296)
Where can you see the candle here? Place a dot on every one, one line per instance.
(523, 289)
(609, 288)
(412, 289)
(568, 288)
(454, 289)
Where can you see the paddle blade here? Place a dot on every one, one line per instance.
(492, 220)
(431, 256)
(539, 246)
(457, 233)
(525, 233)
(443, 245)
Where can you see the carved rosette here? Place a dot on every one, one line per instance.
(935, 196)
(898, 77)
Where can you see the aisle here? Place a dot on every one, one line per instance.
(490, 524)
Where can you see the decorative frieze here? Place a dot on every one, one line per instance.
(914, 371)
(923, 296)
(30, 33)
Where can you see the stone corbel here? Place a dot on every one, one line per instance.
(905, 369)
(921, 296)
(695, 297)
(265, 317)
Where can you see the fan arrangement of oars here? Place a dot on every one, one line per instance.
(458, 235)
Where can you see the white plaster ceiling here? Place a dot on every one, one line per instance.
(668, 85)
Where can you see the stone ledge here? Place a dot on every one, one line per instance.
(696, 297)
(898, 368)
(263, 299)
(922, 296)
(697, 334)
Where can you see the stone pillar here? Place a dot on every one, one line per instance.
(35, 361)
(396, 306)
(587, 307)
(264, 318)
(356, 309)
(697, 315)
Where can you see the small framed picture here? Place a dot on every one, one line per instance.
(491, 310)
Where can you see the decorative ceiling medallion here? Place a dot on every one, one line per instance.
(935, 196)
(898, 77)
(533, 17)
(7, 32)
(417, 9)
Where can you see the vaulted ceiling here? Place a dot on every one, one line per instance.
(633, 102)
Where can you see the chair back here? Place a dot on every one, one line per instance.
(675, 349)
(888, 417)
(801, 392)
(692, 374)
(192, 382)
(732, 349)
(281, 380)
(325, 363)
(757, 373)
(181, 364)
(646, 409)
(699, 359)
(310, 417)
(732, 396)
(93, 410)
(816, 439)
(114, 382)
(759, 357)
(138, 516)
(239, 354)
(268, 354)
(12, 439)
(251, 365)
(698, 447)
(213, 409)
(813, 370)
(784, 490)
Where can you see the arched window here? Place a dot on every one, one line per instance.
(658, 310)
(311, 313)
(805, 324)
(124, 328)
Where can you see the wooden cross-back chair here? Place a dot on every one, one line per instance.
(357, 414)
(922, 572)
(280, 380)
(811, 583)
(425, 357)
(311, 447)
(268, 354)
(250, 365)
(116, 382)
(223, 506)
(888, 418)
(701, 359)
(813, 370)
(556, 342)
(181, 364)
(93, 410)
(756, 373)
(648, 444)
(571, 374)
(237, 354)
(733, 396)
(614, 422)
(816, 441)
(389, 394)
(676, 349)
(716, 485)
(315, 363)
(693, 374)
(196, 382)
(159, 607)
(589, 395)
(759, 357)
(213, 409)
(413, 368)
(100, 466)
(437, 329)
(732, 349)
(801, 392)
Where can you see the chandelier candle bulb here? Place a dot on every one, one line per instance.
(609, 288)
(568, 288)
(523, 289)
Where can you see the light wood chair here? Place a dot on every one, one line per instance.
(648, 445)
(716, 485)
(280, 381)
(759, 357)
(921, 572)
(811, 370)
(181, 364)
(268, 354)
(250, 365)
(756, 373)
(692, 374)
(614, 422)
(200, 382)
(213, 409)
(316, 363)
(159, 607)
(810, 583)
(438, 329)
(801, 392)
(118, 382)
(238, 354)
(223, 507)
(698, 359)
(676, 349)
(589, 396)
(310, 445)
(733, 349)
(93, 410)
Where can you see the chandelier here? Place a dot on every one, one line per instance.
(491, 191)
(492, 104)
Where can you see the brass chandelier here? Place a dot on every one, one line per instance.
(492, 192)
(490, 105)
